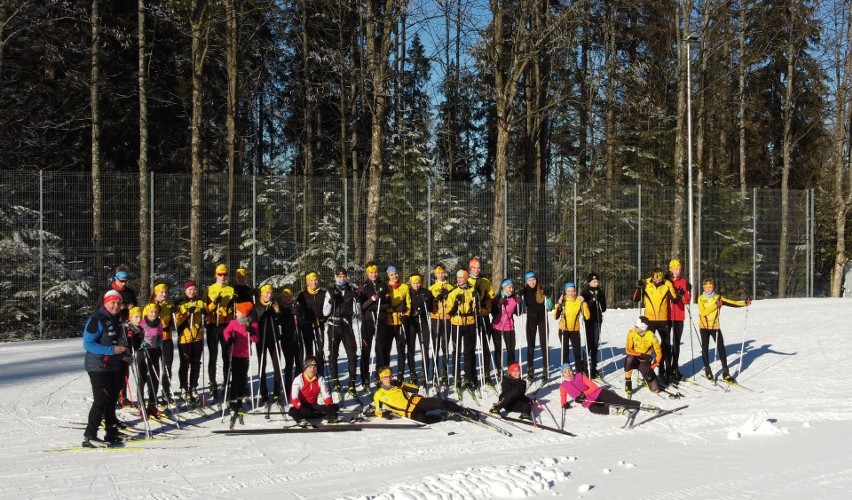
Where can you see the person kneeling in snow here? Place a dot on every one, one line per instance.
(578, 387)
(513, 394)
(305, 393)
(640, 345)
(394, 398)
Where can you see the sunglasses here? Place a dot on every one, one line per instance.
(122, 281)
(222, 274)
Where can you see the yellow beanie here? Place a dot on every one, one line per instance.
(134, 310)
(221, 269)
(675, 264)
(150, 307)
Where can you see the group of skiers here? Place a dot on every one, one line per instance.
(445, 322)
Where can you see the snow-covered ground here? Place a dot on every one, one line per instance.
(789, 439)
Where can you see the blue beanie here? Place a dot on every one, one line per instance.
(122, 275)
(391, 269)
(570, 284)
(529, 275)
(506, 283)
(566, 366)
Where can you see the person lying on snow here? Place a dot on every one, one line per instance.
(402, 399)
(577, 387)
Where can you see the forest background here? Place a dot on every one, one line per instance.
(175, 134)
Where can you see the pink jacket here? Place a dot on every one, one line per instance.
(579, 384)
(504, 320)
(239, 332)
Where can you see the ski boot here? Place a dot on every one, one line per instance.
(304, 424)
(365, 386)
(152, 411)
(334, 419)
(471, 414)
(351, 390)
(335, 385)
(593, 374)
(628, 388)
(94, 442)
(726, 376)
(709, 375)
(234, 416)
(619, 410)
(444, 381)
(495, 410)
(214, 390)
(530, 378)
(526, 416)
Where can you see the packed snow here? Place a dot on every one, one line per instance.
(786, 436)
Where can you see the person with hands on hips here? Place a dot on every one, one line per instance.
(640, 347)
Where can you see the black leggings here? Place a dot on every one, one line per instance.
(574, 338)
(537, 322)
(341, 331)
(664, 330)
(677, 334)
(418, 339)
(610, 398)
(593, 339)
(465, 338)
(508, 337)
(239, 376)
(168, 350)
(148, 362)
(426, 405)
(215, 340)
(105, 388)
(706, 335)
(268, 346)
(396, 333)
(189, 366)
(441, 329)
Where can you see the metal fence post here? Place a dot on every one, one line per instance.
(428, 232)
(639, 234)
(811, 242)
(754, 242)
(574, 203)
(346, 222)
(40, 254)
(254, 229)
(506, 229)
(151, 235)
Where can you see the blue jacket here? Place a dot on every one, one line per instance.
(101, 333)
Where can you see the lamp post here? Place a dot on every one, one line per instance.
(692, 38)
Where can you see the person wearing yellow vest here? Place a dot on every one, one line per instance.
(483, 293)
(189, 315)
(220, 309)
(640, 346)
(568, 311)
(375, 303)
(656, 293)
(160, 296)
(440, 318)
(463, 316)
(709, 306)
(397, 321)
(402, 399)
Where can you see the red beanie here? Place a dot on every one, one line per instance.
(245, 308)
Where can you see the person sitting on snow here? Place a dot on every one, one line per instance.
(513, 394)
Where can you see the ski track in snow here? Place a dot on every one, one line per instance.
(789, 441)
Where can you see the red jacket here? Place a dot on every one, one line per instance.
(676, 309)
(306, 391)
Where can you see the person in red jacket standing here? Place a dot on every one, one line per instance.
(677, 317)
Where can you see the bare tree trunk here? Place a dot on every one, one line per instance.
(97, 195)
(4, 38)
(583, 76)
(842, 194)
(231, 51)
(679, 215)
(609, 124)
(787, 148)
(144, 175)
(308, 137)
(741, 74)
(199, 29)
(509, 64)
(378, 25)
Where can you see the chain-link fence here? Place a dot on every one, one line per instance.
(287, 226)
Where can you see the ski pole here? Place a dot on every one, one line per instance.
(227, 379)
(279, 350)
(169, 405)
(134, 370)
(742, 346)
(691, 327)
(540, 406)
(248, 372)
